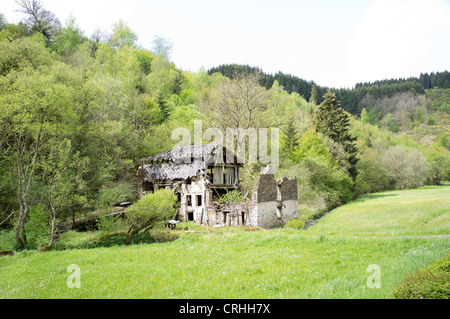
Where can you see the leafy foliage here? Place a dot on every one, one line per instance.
(152, 207)
(233, 196)
(407, 168)
(295, 223)
(149, 210)
(36, 227)
(432, 282)
(372, 175)
(311, 144)
(122, 36)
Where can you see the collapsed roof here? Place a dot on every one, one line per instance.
(181, 163)
(171, 171)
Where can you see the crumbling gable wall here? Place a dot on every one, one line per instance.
(273, 202)
(264, 202)
(288, 198)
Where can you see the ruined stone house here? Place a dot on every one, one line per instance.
(201, 174)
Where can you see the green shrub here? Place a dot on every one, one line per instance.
(149, 211)
(312, 209)
(163, 236)
(327, 180)
(431, 120)
(156, 236)
(8, 239)
(116, 240)
(407, 167)
(89, 240)
(35, 227)
(443, 140)
(295, 223)
(143, 238)
(372, 176)
(439, 160)
(432, 282)
(152, 208)
(234, 196)
(111, 194)
(108, 224)
(320, 172)
(73, 239)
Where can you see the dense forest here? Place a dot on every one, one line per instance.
(78, 113)
(351, 98)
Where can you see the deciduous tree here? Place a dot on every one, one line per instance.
(32, 104)
(62, 179)
(162, 46)
(39, 19)
(150, 209)
(122, 36)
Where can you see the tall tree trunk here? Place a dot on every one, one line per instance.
(52, 235)
(131, 232)
(21, 237)
(25, 172)
(134, 229)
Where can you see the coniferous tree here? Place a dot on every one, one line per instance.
(290, 137)
(364, 116)
(314, 95)
(331, 120)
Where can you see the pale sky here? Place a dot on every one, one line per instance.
(334, 43)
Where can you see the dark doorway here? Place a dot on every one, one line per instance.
(225, 218)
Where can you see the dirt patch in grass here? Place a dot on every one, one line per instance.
(252, 229)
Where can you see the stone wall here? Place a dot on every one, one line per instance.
(265, 189)
(288, 188)
(273, 202)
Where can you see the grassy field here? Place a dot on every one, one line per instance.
(417, 212)
(399, 231)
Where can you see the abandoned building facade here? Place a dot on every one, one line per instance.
(202, 174)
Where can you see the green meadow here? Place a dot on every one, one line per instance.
(417, 212)
(399, 231)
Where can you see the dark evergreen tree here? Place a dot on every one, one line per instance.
(442, 80)
(331, 120)
(314, 95)
(290, 137)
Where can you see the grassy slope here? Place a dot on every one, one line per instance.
(328, 260)
(424, 211)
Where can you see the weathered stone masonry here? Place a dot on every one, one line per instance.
(273, 202)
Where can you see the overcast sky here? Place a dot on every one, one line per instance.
(334, 43)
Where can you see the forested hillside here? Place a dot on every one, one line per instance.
(352, 99)
(78, 113)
